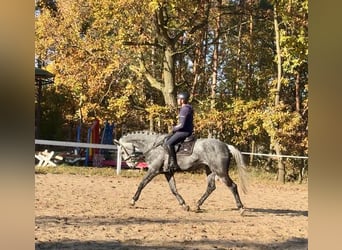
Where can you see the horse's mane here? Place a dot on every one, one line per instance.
(143, 132)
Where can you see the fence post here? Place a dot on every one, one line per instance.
(118, 160)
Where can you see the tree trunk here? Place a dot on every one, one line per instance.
(168, 88)
(279, 68)
(38, 110)
(281, 166)
(151, 123)
(214, 77)
(204, 62)
(215, 56)
(196, 71)
(252, 151)
(249, 83)
(238, 61)
(298, 98)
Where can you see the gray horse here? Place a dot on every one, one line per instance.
(211, 155)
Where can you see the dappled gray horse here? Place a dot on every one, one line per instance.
(211, 155)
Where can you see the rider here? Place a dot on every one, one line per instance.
(179, 132)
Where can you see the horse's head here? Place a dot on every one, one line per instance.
(130, 153)
(134, 146)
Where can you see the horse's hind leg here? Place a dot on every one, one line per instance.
(210, 188)
(172, 183)
(233, 187)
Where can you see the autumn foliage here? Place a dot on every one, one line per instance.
(125, 61)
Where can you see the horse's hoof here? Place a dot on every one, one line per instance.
(198, 210)
(132, 203)
(242, 211)
(186, 207)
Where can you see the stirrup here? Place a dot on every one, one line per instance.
(171, 168)
(174, 167)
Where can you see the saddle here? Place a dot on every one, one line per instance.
(186, 147)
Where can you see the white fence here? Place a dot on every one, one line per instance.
(115, 147)
(272, 155)
(85, 145)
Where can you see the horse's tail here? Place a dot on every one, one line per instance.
(241, 167)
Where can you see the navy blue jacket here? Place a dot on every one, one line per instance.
(186, 119)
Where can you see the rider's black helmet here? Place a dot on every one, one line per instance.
(184, 96)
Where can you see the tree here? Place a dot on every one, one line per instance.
(170, 35)
(289, 62)
(81, 43)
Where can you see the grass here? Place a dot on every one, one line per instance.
(87, 171)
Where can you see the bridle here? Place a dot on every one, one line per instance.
(132, 156)
(129, 156)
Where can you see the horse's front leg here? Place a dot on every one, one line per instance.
(146, 179)
(172, 183)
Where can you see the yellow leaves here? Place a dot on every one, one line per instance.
(51, 68)
(80, 40)
(160, 115)
(206, 120)
(283, 126)
(130, 89)
(153, 5)
(242, 120)
(119, 107)
(157, 110)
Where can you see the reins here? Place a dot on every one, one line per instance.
(161, 142)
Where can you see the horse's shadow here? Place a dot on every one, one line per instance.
(278, 212)
(252, 212)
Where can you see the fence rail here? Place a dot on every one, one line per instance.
(84, 145)
(75, 144)
(115, 147)
(272, 155)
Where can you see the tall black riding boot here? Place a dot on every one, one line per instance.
(172, 165)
